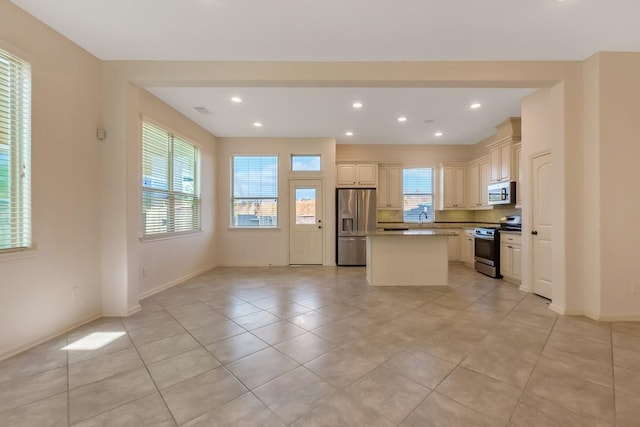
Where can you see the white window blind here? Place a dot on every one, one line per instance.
(255, 191)
(15, 152)
(417, 189)
(170, 183)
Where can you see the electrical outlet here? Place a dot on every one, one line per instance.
(635, 288)
(75, 293)
(146, 271)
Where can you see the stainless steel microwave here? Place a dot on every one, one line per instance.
(502, 193)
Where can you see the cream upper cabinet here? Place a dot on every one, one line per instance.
(478, 178)
(511, 257)
(452, 183)
(473, 185)
(517, 157)
(501, 158)
(501, 152)
(390, 187)
(357, 174)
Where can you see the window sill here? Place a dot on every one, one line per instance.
(170, 236)
(18, 255)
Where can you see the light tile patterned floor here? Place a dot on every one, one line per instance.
(319, 347)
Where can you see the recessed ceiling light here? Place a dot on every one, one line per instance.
(438, 134)
(475, 105)
(236, 99)
(258, 124)
(349, 133)
(402, 119)
(357, 104)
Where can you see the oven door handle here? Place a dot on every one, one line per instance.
(485, 238)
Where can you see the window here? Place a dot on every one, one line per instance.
(15, 152)
(170, 183)
(255, 191)
(417, 191)
(305, 163)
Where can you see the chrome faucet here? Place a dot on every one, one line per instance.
(420, 217)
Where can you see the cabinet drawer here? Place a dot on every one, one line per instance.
(511, 238)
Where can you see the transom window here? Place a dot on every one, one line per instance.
(254, 201)
(305, 163)
(15, 153)
(170, 183)
(417, 191)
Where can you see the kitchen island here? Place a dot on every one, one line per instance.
(408, 258)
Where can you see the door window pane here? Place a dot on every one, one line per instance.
(305, 205)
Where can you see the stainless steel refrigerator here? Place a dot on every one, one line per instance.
(356, 215)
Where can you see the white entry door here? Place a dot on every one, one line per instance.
(306, 227)
(541, 224)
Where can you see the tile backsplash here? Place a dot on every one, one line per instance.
(489, 215)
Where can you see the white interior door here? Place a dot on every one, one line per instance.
(541, 224)
(306, 227)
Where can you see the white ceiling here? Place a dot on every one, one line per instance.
(345, 30)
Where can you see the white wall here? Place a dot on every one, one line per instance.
(264, 247)
(35, 290)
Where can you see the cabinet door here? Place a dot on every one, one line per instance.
(505, 162)
(505, 260)
(454, 248)
(453, 187)
(367, 174)
(496, 164)
(466, 247)
(395, 187)
(473, 186)
(517, 155)
(485, 180)
(516, 260)
(458, 192)
(346, 174)
(383, 187)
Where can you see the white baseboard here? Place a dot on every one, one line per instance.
(171, 284)
(18, 350)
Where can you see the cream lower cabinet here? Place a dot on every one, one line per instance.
(467, 246)
(511, 257)
(453, 248)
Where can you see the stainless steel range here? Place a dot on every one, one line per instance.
(487, 251)
(487, 245)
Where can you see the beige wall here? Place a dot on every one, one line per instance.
(170, 261)
(35, 288)
(536, 139)
(91, 240)
(619, 92)
(410, 156)
(592, 195)
(247, 247)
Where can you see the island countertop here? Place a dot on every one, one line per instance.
(412, 232)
